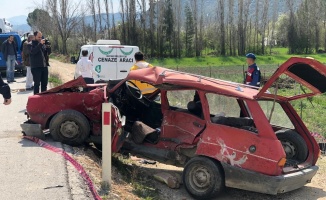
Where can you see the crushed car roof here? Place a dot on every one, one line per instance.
(306, 71)
(166, 78)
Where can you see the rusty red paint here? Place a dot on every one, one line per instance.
(183, 134)
(106, 118)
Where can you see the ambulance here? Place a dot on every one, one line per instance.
(110, 59)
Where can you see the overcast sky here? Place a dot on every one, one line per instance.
(12, 8)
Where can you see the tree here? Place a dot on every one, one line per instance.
(152, 26)
(272, 37)
(67, 16)
(189, 31)
(107, 13)
(263, 26)
(113, 22)
(99, 14)
(123, 29)
(222, 26)
(40, 19)
(169, 25)
(91, 4)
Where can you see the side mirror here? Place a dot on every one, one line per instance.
(73, 60)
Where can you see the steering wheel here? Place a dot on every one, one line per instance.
(134, 90)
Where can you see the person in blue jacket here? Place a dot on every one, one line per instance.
(253, 74)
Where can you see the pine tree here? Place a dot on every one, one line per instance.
(189, 31)
(168, 25)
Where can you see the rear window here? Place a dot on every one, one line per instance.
(275, 114)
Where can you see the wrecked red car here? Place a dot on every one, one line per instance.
(222, 133)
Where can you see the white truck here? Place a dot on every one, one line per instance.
(5, 26)
(110, 59)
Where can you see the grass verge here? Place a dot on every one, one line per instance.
(54, 79)
(141, 183)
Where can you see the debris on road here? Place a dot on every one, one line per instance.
(172, 181)
(56, 186)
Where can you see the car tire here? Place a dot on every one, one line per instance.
(69, 127)
(203, 178)
(294, 145)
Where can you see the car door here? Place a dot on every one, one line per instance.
(179, 124)
(308, 72)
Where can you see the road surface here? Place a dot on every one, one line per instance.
(27, 171)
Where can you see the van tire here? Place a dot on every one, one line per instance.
(203, 178)
(70, 127)
(294, 145)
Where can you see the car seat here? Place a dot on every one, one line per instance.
(195, 108)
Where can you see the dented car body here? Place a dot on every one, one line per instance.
(223, 133)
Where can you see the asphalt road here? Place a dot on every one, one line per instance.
(27, 171)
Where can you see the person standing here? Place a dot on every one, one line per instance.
(252, 75)
(85, 68)
(145, 88)
(140, 62)
(26, 52)
(9, 51)
(39, 67)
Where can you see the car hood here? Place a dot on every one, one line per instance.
(76, 83)
(306, 71)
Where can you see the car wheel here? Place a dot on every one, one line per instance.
(69, 127)
(294, 145)
(203, 178)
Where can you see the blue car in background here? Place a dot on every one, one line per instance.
(19, 66)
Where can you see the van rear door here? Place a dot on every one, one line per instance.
(105, 62)
(126, 60)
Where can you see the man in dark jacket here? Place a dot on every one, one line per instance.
(9, 51)
(5, 91)
(38, 63)
(25, 55)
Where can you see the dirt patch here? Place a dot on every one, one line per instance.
(92, 164)
(65, 70)
(126, 185)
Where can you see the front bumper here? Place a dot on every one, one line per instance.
(31, 129)
(247, 180)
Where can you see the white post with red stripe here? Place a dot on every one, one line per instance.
(106, 143)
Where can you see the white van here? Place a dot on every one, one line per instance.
(110, 59)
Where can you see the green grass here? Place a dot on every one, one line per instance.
(278, 56)
(132, 174)
(60, 57)
(54, 78)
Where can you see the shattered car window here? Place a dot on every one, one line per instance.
(222, 105)
(180, 98)
(275, 113)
